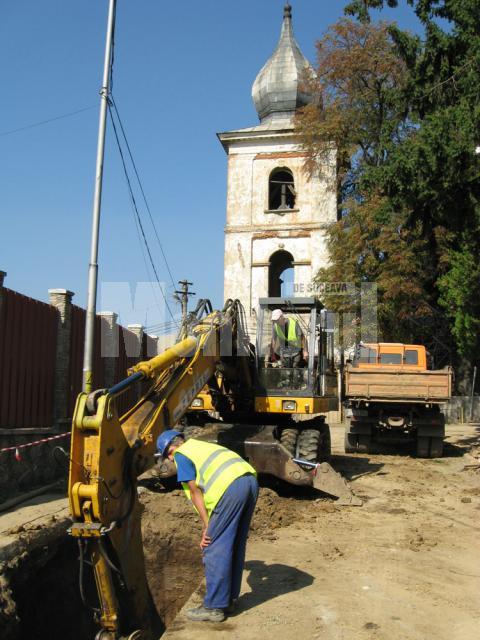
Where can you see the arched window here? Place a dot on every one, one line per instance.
(280, 272)
(281, 190)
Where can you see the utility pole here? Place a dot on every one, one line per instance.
(97, 200)
(182, 296)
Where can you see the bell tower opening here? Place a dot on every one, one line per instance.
(281, 190)
(280, 274)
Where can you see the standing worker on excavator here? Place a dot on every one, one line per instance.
(286, 332)
(223, 489)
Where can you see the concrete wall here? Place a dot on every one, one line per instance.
(459, 409)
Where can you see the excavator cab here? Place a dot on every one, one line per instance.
(294, 365)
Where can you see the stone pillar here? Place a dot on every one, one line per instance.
(137, 330)
(135, 350)
(152, 346)
(2, 278)
(62, 300)
(109, 345)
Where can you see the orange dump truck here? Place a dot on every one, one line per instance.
(392, 397)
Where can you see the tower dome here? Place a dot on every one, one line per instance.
(278, 89)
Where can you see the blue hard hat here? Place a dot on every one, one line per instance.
(164, 440)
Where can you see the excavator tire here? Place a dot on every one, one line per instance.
(314, 445)
(288, 438)
(326, 448)
(191, 431)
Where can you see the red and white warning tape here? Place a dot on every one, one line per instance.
(17, 448)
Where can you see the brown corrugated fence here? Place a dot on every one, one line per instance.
(28, 333)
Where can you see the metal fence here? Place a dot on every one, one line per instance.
(41, 362)
(28, 333)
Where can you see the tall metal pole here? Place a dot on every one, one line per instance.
(97, 201)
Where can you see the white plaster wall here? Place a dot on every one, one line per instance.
(319, 251)
(239, 190)
(249, 169)
(264, 247)
(237, 267)
(259, 285)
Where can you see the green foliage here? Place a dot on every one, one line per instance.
(459, 295)
(408, 164)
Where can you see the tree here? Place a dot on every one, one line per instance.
(427, 175)
(358, 77)
(435, 170)
(359, 90)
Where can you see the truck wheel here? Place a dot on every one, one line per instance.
(357, 442)
(436, 447)
(429, 447)
(288, 438)
(363, 442)
(350, 442)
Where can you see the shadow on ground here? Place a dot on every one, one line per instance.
(268, 581)
(355, 466)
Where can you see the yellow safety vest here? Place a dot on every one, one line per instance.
(216, 466)
(291, 336)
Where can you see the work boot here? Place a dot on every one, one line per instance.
(232, 607)
(202, 614)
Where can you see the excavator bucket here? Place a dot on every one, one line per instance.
(326, 479)
(258, 445)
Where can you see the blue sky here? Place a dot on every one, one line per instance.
(183, 71)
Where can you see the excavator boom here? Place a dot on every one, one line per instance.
(109, 452)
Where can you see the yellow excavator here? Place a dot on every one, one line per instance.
(256, 401)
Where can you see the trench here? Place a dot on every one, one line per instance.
(44, 588)
(39, 589)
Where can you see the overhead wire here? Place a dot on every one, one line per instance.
(147, 206)
(137, 218)
(137, 214)
(144, 257)
(42, 122)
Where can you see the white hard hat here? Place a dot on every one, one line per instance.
(277, 314)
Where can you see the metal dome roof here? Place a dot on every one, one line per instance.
(277, 90)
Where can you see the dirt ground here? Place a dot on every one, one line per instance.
(405, 565)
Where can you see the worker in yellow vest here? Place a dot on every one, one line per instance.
(286, 333)
(223, 489)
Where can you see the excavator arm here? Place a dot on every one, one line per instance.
(109, 453)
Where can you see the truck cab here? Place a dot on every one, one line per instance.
(390, 354)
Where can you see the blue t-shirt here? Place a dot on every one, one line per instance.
(185, 468)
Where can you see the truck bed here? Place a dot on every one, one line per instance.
(387, 384)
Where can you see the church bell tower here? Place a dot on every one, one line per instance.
(276, 213)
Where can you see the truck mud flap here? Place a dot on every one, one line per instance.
(364, 428)
(431, 430)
